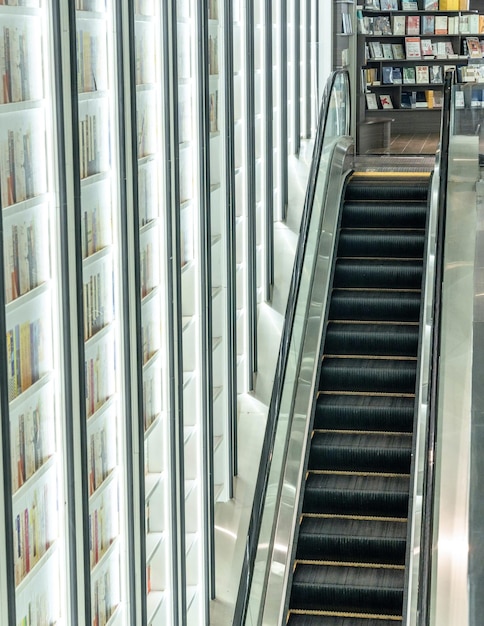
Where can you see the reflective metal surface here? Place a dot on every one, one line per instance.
(277, 578)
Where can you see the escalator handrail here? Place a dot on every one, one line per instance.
(286, 335)
(425, 564)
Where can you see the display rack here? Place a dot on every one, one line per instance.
(151, 244)
(98, 213)
(403, 56)
(32, 410)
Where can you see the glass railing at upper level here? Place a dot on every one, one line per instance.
(296, 357)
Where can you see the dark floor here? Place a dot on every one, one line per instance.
(411, 144)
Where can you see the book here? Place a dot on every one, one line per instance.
(409, 5)
(473, 47)
(387, 50)
(398, 51)
(473, 23)
(422, 74)
(397, 75)
(464, 25)
(459, 99)
(408, 75)
(438, 99)
(421, 100)
(376, 50)
(440, 25)
(428, 24)
(381, 25)
(371, 102)
(386, 101)
(398, 24)
(413, 24)
(407, 100)
(436, 74)
(372, 4)
(431, 5)
(389, 5)
(449, 5)
(412, 47)
(426, 47)
(449, 50)
(387, 75)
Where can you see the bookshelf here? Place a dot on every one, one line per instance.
(31, 410)
(403, 56)
(102, 318)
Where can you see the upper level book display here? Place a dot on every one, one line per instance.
(403, 51)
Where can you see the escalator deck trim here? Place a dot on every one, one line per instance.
(366, 518)
(395, 618)
(348, 564)
(370, 357)
(346, 473)
(337, 431)
(379, 394)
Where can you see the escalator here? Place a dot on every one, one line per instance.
(349, 559)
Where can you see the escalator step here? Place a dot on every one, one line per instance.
(382, 243)
(387, 190)
(382, 215)
(375, 339)
(371, 375)
(361, 412)
(354, 494)
(361, 452)
(349, 304)
(362, 589)
(377, 273)
(348, 540)
(307, 619)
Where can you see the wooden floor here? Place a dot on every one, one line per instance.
(411, 144)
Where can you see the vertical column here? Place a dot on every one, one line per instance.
(35, 546)
(147, 154)
(99, 210)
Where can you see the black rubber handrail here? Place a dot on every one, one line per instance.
(279, 376)
(425, 565)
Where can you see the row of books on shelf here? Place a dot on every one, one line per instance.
(416, 5)
(419, 48)
(144, 60)
(88, 61)
(90, 5)
(212, 55)
(36, 612)
(98, 460)
(102, 527)
(30, 433)
(89, 155)
(401, 25)
(213, 9)
(25, 354)
(346, 24)
(94, 231)
(24, 258)
(149, 402)
(420, 74)
(32, 534)
(96, 303)
(33, 4)
(147, 192)
(98, 372)
(147, 276)
(427, 99)
(150, 337)
(103, 604)
(16, 65)
(213, 111)
(17, 172)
